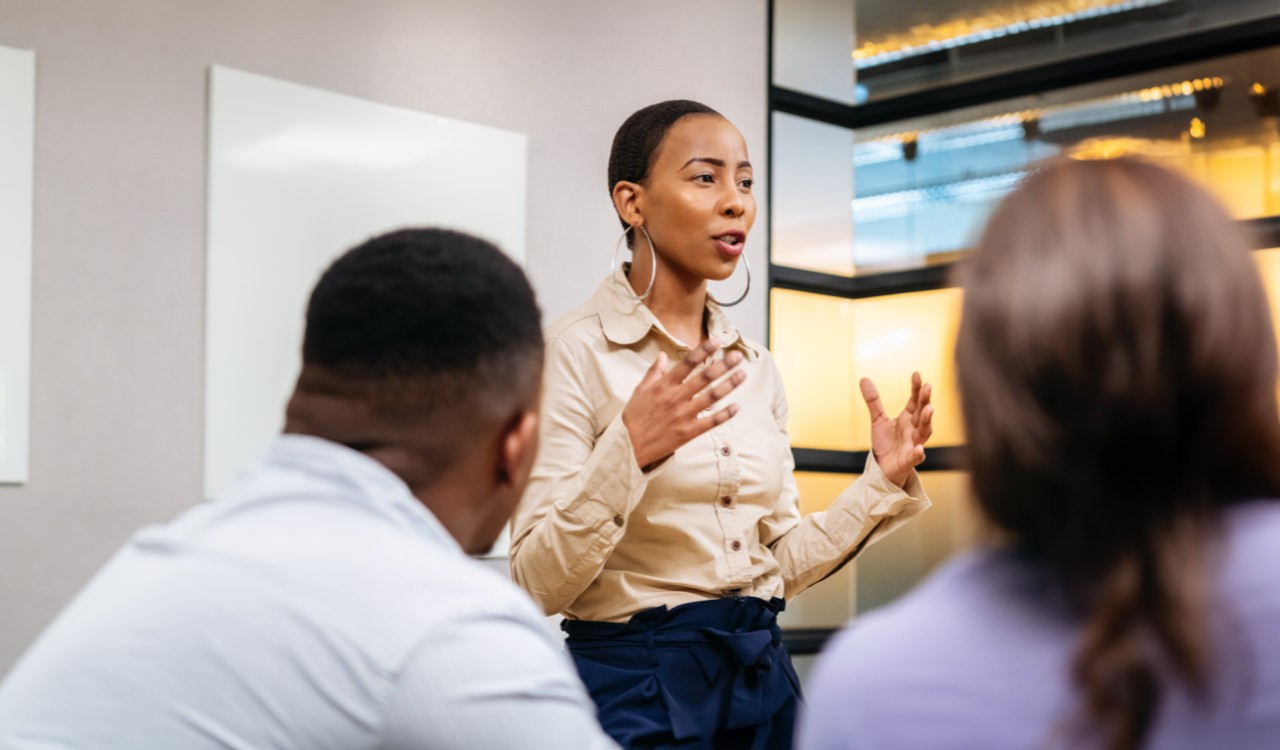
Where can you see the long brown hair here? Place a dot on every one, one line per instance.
(1117, 369)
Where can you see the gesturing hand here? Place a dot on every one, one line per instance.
(663, 413)
(898, 444)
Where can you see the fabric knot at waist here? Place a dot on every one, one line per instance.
(713, 666)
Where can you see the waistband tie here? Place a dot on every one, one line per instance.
(735, 643)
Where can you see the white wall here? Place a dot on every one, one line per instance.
(120, 195)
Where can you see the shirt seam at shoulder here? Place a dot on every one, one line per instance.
(562, 326)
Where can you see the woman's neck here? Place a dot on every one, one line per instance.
(677, 302)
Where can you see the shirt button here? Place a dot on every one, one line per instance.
(725, 451)
(736, 545)
(617, 520)
(726, 501)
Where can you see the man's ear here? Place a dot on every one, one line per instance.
(518, 449)
(626, 201)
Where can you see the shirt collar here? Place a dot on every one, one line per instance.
(626, 320)
(366, 481)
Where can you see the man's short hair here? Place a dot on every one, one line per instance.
(433, 312)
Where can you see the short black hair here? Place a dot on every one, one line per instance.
(635, 145)
(431, 305)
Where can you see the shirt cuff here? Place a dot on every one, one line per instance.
(875, 506)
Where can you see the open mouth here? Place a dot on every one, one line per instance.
(732, 239)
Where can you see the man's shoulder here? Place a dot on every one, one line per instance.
(478, 587)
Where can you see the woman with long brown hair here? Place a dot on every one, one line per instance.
(1117, 369)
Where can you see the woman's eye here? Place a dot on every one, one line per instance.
(747, 183)
(704, 178)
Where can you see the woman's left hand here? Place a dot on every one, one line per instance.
(898, 444)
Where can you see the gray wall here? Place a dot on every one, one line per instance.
(120, 195)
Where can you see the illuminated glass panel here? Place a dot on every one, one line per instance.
(896, 334)
(810, 193)
(824, 345)
(812, 45)
(810, 338)
(818, 489)
(1269, 267)
(924, 187)
(910, 45)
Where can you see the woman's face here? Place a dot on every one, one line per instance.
(697, 202)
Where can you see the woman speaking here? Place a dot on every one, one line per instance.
(662, 518)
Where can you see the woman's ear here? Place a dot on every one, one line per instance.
(627, 197)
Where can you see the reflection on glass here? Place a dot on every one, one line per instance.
(892, 566)
(924, 187)
(828, 604)
(824, 345)
(909, 45)
(810, 190)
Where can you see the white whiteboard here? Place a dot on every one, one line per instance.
(17, 159)
(298, 175)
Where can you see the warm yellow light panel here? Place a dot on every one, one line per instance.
(1244, 176)
(901, 333)
(810, 336)
(818, 489)
(1237, 176)
(1272, 186)
(824, 345)
(1268, 262)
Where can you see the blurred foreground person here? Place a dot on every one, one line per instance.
(1117, 367)
(327, 600)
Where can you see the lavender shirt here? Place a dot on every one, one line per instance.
(978, 656)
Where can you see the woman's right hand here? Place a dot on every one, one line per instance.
(665, 410)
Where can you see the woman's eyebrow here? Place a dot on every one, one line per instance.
(714, 162)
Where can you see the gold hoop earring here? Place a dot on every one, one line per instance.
(653, 254)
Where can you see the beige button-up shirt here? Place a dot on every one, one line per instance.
(598, 539)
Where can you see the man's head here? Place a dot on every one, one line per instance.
(423, 350)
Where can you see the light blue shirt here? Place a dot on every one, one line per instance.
(318, 605)
(979, 656)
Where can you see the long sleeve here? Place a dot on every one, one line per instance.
(583, 488)
(812, 547)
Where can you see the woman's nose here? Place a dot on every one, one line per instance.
(732, 204)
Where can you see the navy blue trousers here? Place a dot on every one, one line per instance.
(710, 674)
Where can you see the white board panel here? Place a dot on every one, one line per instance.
(17, 161)
(298, 175)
